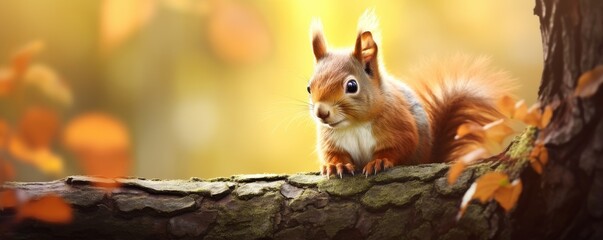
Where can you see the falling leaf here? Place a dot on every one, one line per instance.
(101, 144)
(8, 198)
(49, 208)
(120, 19)
(506, 105)
(546, 116)
(589, 82)
(459, 166)
(488, 183)
(38, 126)
(507, 196)
(49, 83)
(497, 131)
(237, 33)
(22, 58)
(466, 199)
(469, 128)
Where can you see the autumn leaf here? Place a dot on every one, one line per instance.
(459, 166)
(589, 82)
(487, 185)
(497, 131)
(506, 105)
(38, 126)
(101, 144)
(8, 199)
(7, 81)
(507, 196)
(120, 19)
(46, 80)
(41, 158)
(469, 128)
(7, 171)
(539, 157)
(521, 109)
(4, 134)
(49, 208)
(533, 116)
(546, 116)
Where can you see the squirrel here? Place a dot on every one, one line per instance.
(367, 118)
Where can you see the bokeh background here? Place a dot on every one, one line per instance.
(211, 88)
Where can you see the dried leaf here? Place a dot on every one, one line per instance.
(41, 158)
(101, 144)
(469, 128)
(466, 199)
(533, 116)
(546, 116)
(7, 171)
(589, 82)
(507, 196)
(49, 208)
(487, 185)
(49, 83)
(539, 157)
(8, 199)
(455, 171)
(459, 166)
(120, 19)
(4, 134)
(498, 130)
(506, 105)
(7, 81)
(38, 126)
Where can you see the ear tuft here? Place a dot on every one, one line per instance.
(319, 44)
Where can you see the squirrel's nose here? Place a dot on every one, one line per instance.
(323, 114)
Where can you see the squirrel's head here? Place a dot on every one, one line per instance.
(346, 85)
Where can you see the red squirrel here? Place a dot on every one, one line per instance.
(368, 119)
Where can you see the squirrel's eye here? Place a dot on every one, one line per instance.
(308, 89)
(351, 86)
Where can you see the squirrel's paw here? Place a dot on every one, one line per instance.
(338, 167)
(376, 166)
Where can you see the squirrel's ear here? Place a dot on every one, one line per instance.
(366, 48)
(319, 45)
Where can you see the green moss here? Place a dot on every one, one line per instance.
(396, 194)
(522, 144)
(346, 187)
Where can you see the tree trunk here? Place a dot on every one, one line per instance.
(567, 202)
(404, 203)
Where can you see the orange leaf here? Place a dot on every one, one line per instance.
(8, 199)
(497, 131)
(507, 196)
(488, 184)
(23, 56)
(506, 105)
(41, 158)
(38, 126)
(469, 128)
(589, 82)
(7, 171)
(521, 110)
(546, 116)
(4, 134)
(120, 19)
(48, 83)
(539, 157)
(455, 171)
(460, 165)
(50, 208)
(101, 144)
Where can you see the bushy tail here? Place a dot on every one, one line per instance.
(456, 90)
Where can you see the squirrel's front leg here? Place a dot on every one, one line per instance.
(337, 161)
(382, 159)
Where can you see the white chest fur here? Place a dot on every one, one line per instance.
(358, 141)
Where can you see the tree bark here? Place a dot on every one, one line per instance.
(404, 203)
(567, 202)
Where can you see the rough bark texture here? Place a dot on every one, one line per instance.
(567, 202)
(405, 203)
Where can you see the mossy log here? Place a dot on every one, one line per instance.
(413, 202)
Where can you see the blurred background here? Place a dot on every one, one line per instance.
(211, 88)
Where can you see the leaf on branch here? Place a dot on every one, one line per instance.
(38, 126)
(506, 105)
(7, 171)
(488, 184)
(459, 166)
(8, 199)
(49, 208)
(539, 157)
(4, 134)
(589, 82)
(507, 196)
(497, 131)
(546, 116)
(42, 158)
(521, 109)
(467, 129)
